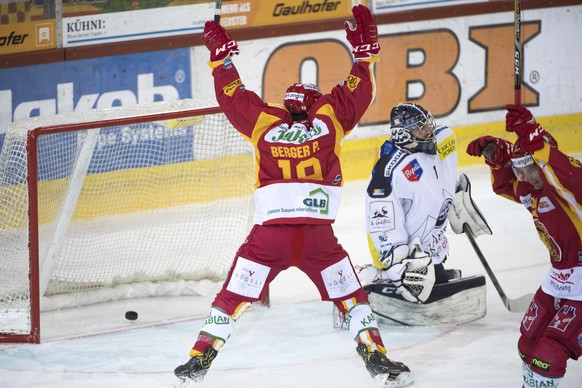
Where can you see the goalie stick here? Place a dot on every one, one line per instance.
(465, 217)
(514, 305)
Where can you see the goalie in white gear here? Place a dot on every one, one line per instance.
(411, 190)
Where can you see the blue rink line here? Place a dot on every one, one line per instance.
(136, 35)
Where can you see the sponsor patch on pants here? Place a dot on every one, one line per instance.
(248, 278)
(340, 279)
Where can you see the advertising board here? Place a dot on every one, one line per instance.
(124, 80)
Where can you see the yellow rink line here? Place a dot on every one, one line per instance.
(134, 190)
(191, 182)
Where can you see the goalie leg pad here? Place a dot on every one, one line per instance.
(455, 302)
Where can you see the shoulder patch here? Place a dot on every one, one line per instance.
(380, 185)
(231, 87)
(446, 147)
(352, 82)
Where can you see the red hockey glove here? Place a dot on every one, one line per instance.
(496, 151)
(218, 41)
(364, 35)
(520, 120)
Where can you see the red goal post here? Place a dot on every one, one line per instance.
(115, 203)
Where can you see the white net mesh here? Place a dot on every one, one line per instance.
(153, 208)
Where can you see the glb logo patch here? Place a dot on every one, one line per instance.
(318, 199)
(412, 171)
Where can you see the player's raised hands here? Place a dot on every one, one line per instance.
(218, 41)
(497, 152)
(364, 35)
(531, 135)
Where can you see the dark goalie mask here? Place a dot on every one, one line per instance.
(407, 123)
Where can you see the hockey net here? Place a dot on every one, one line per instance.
(118, 203)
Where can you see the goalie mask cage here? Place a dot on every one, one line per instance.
(118, 203)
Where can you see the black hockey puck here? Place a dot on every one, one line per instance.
(131, 315)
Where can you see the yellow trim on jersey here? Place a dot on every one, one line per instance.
(263, 124)
(543, 155)
(374, 253)
(340, 131)
(214, 65)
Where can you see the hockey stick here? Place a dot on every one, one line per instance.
(517, 52)
(514, 305)
(218, 10)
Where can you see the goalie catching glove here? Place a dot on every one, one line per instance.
(414, 276)
(218, 41)
(364, 35)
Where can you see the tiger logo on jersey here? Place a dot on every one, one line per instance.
(553, 248)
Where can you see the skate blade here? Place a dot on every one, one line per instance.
(404, 379)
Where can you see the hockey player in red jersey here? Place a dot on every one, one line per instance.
(548, 183)
(297, 192)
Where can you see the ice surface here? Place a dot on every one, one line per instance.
(293, 343)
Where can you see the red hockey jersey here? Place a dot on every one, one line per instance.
(298, 172)
(557, 214)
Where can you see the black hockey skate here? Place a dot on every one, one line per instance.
(387, 373)
(197, 367)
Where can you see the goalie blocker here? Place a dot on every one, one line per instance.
(454, 302)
